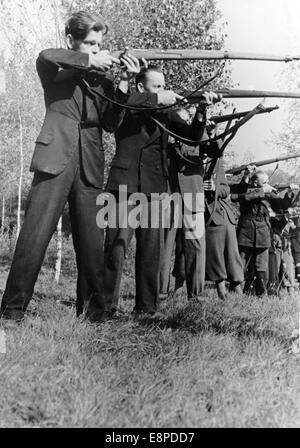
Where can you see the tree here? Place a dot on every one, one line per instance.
(287, 141)
(32, 25)
(164, 24)
(28, 26)
(20, 113)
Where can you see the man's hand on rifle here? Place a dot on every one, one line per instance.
(211, 128)
(248, 172)
(210, 98)
(102, 61)
(168, 98)
(131, 66)
(294, 187)
(209, 185)
(267, 188)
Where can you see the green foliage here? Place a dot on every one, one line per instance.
(31, 25)
(287, 140)
(164, 24)
(22, 96)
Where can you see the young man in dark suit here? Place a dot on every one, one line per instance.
(68, 165)
(140, 166)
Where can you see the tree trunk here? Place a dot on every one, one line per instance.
(59, 250)
(3, 214)
(21, 171)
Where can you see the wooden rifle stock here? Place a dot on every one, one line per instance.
(188, 55)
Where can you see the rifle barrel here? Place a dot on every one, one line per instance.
(235, 116)
(185, 54)
(240, 168)
(281, 186)
(237, 93)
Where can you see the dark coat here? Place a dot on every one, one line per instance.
(254, 229)
(61, 132)
(216, 205)
(223, 260)
(140, 162)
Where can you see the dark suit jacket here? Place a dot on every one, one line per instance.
(216, 204)
(61, 132)
(141, 156)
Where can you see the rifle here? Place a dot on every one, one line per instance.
(195, 97)
(241, 168)
(282, 186)
(238, 115)
(189, 55)
(291, 212)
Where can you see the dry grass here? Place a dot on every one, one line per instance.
(195, 365)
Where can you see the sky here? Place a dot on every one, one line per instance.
(260, 26)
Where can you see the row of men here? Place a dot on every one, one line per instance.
(68, 166)
(238, 251)
(284, 253)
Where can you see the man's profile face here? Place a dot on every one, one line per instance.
(154, 82)
(90, 45)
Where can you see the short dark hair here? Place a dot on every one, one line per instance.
(141, 77)
(81, 23)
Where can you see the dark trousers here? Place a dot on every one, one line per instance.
(169, 237)
(147, 261)
(45, 204)
(255, 259)
(274, 269)
(295, 247)
(256, 268)
(190, 263)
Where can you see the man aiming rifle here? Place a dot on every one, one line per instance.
(255, 197)
(68, 164)
(140, 166)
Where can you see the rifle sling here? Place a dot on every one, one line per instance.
(150, 109)
(231, 130)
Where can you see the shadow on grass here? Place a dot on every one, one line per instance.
(202, 318)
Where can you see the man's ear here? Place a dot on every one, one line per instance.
(140, 87)
(70, 42)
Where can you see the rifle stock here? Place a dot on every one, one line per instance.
(188, 55)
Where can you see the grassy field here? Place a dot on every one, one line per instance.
(196, 365)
